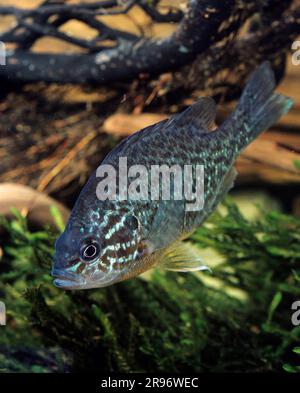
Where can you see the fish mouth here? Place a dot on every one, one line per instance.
(66, 280)
(70, 281)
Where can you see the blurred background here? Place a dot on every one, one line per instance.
(54, 135)
(82, 75)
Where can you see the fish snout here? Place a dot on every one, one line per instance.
(66, 279)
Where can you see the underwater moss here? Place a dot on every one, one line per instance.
(175, 322)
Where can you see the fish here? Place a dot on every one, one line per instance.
(111, 240)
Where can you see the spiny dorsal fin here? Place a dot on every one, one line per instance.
(131, 139)
(201, 115)
(181, 257)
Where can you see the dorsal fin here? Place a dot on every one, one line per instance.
(133, 138)
(201, 114)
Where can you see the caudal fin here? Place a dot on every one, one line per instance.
(258, 108)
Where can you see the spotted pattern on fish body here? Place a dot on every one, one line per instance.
(109, 241)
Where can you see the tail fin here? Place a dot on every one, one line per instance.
(258, 109)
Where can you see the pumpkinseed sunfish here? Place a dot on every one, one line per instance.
(107, 241)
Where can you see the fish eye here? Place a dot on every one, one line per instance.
(132, 222)
(89, 250)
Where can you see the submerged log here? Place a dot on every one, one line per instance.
(32, 204)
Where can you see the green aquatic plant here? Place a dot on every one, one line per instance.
(236, 319)
(297, 164)
(292, 368)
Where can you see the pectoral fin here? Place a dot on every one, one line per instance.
(181, 257)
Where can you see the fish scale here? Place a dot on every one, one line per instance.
(107, 241)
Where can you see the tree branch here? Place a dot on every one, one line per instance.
(170, 17)
(99, 8)
(241, 56)
(25, 38)
(200, 27)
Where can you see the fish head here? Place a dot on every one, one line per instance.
(109, 253)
